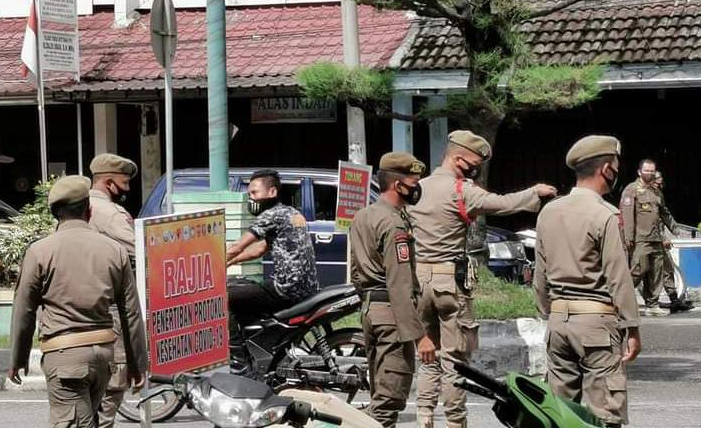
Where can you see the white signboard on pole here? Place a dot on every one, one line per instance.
(59, 51)
(60, 11)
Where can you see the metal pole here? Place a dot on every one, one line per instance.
(351, 55)
(40, 100)
(217, 96)
(79, 124)
(169, 121)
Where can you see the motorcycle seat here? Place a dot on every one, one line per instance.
(331, 292)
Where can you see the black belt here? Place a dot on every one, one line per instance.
(377, 296)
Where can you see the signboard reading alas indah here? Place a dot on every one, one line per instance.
(291, 110)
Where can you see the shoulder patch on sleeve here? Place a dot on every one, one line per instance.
(403, 252)
(401, 236)
(627, 201)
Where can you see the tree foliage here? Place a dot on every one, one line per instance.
(34, 222)
(331, 81)
(504, 76)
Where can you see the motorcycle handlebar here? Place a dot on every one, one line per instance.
(325, 417)
(482, 379)
(164, 379)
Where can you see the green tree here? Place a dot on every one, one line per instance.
(504, 77)
(34, 222)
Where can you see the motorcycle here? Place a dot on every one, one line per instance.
(525, 402)
(230, 401)
(295, 348)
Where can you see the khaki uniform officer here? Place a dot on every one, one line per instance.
(440, 220)
(75, 275)
(583, 284)
(111, 176)
(676, 304)
(382, 269)
(643, 208)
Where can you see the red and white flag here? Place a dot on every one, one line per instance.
(30, 56)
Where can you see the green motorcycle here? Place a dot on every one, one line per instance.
(526, 402)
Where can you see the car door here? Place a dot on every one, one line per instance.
(329, 245)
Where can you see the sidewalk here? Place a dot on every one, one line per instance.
(35, 381)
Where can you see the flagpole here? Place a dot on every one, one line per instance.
(40, 99)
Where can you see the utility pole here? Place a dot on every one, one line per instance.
(351, 57)
(217, 96)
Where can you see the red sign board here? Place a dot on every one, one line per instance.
(186, 301)
(353, 192)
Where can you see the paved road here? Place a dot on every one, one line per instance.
(665, 386)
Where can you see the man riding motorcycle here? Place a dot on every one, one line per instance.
(283, 231)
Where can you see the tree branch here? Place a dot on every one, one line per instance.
(448, 12)
(545, 12)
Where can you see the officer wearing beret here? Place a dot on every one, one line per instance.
(75, 275)
(450, 203)
(382, 269)
(643, 209)
(584, 286)
(111, 176)
(676, 304)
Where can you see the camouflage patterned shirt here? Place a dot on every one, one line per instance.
(285, 230)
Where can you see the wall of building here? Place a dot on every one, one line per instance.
(662, 125)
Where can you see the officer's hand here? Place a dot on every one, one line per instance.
(13, 375)
(545, 190)
(427, 350)
(634, 345)
(137, 381)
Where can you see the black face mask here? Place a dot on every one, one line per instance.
(612, 183)
(413, 195)
(257, 206)
(120, 197)
(472, 172)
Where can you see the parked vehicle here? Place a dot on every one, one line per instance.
(237, 402)
(296, 348)
(313, 193)
(6, 214)
(526, 402)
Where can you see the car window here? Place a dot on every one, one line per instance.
(291, 193)
(190, 183)
(325, 201)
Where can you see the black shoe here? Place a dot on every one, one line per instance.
(680, 306)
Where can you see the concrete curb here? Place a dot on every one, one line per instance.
(35, 381)
(513, 345)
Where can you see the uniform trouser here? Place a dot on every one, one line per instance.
(647, 263)
(391, 363)
(584, 363)
(668, 275)
(448, 318)
(76, 379)
(118, 381)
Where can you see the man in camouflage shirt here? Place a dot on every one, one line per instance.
(283, 231)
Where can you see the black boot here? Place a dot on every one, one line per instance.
(240, 362)
(678, 305)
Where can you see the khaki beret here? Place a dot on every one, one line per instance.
(471, 142)
(70, 189)
(111, 163)
(592, 146)
(401, 162)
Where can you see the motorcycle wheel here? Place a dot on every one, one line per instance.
(347, 342)
(163, 407)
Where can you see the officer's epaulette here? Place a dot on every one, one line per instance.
(614, 209)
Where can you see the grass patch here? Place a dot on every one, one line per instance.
(352, 320)
(499, 299)
(5, 342)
